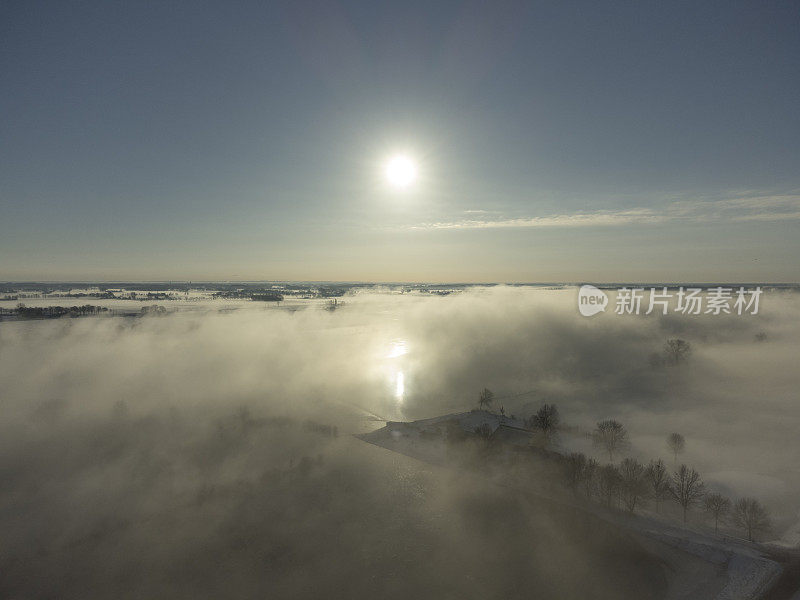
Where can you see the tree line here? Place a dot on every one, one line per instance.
(51, 312)
(631, 483)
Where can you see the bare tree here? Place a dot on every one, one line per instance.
(485, 440)
(658, 480)
(483, 431)
(546, 419)
(750, 515)
(589, 476)
(486, 398)
(608, 482)
(676, 444)
(677, 351)
(718, 506)
(634, 485)
(580, 473)
(686, 488)
(575, 465)
(611, 436)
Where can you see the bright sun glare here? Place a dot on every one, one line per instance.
(401, 172)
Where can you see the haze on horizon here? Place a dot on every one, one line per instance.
(547, 142)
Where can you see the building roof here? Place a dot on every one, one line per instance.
(516, 436)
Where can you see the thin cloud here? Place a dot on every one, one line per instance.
(602, 218)
(750, 208)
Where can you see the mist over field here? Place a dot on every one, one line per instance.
(194, 453)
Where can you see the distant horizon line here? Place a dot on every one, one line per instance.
(368, 283)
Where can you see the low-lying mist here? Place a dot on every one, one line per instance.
(207, 454)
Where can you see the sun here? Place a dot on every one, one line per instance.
(400, 171)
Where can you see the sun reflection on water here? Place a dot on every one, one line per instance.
(394, 363)
(398, 349)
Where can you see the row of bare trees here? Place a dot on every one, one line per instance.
(632, 483)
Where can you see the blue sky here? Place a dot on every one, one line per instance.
(566, 141)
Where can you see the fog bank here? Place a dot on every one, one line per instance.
(188, 454)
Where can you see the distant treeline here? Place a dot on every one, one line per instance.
(267, 297)
(52, 312)
(101, 295)
(245, 295)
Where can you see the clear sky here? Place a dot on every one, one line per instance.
(554, 141)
